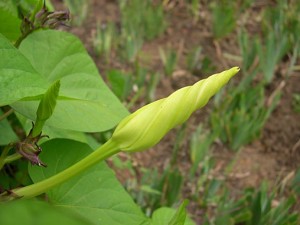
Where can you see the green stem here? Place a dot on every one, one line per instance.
(20, 39)
(105, 151)
(3, 155)
(12, 158)
(6, 114)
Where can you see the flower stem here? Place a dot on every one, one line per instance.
(3, 155)
(12, 158)
(21, 38)
(105, 151)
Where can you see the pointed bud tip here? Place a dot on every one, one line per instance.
(235, 69)
(232, 71)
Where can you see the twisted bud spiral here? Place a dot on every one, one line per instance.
(148, 125)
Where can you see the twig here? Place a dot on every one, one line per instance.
(219, 53)
(296, 146)
(180, 49)
(6, 114)
(275, 92)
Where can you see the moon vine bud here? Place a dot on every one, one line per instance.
(148, 125)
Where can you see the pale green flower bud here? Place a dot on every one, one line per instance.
(148, 125)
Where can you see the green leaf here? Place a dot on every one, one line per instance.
(95, 194)
(18, 79)
(48, 102)
(46, 108)
(85, 103)
(36, 212)
(9, 21)
(180, 215)
(120, 83)
(164, 215)
(224, 20)
(30, 5)
(52, 132)
(67, 134)
(174, 182)
(256, 209)
(7, 135)
(224, 220)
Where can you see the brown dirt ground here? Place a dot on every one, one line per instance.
(273, 157)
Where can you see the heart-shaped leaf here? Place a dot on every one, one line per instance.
(85, 103)
(36, 212)
(95, 194)
(18, 79)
